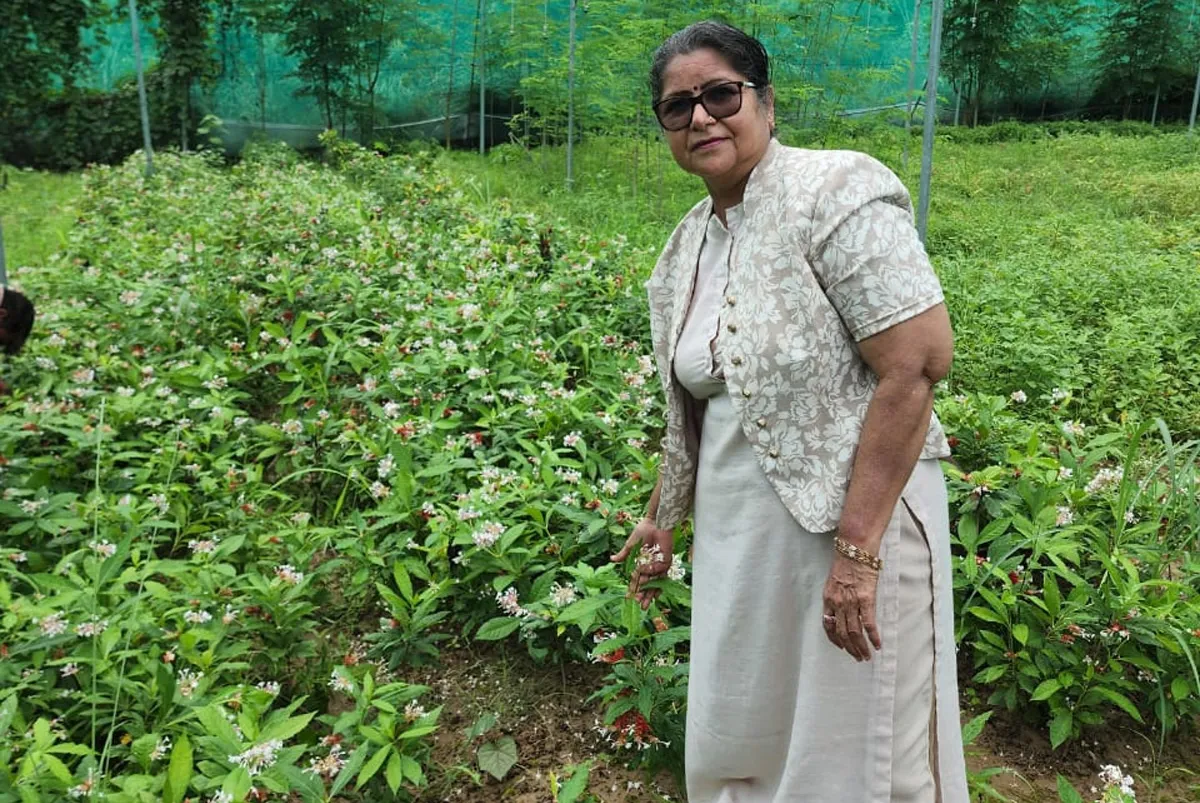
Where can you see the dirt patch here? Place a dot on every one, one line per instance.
(1169, 775)
(546, 712)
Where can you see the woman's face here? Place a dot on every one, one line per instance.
(722, 152)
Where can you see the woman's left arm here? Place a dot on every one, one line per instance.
(909, 359)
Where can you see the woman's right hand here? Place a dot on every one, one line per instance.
(655, 548)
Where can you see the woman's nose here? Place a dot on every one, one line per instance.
(700, 117)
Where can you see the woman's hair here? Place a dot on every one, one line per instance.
(743, 52)
(16, 319)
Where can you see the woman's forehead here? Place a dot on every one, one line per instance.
(689, 72)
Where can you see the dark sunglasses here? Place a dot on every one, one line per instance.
(719, 100)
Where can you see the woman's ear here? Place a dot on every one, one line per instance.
(769, 105)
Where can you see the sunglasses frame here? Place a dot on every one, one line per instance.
(698, 100)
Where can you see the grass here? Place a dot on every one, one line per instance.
(1068, 261)
(36, 210)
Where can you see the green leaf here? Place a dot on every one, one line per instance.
(498, 757)
(179, 772)
(352, 764)
(372, 767)
(1060, 728)
(1051, 595)
(482, 725)
(575, 788)
(412, 770)
(986, 614)
(498, 628)
(1045, 690)
(972, 729)
(237, 784)
(1180, 689)
(403, 581)
(286, 729)
(1120, 700)
(1021, 633)
(1067, 793)
(394, 772)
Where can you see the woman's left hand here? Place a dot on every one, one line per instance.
(849, 609)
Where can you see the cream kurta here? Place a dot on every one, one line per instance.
(777, 714)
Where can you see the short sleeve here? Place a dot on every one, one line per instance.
(866, 252)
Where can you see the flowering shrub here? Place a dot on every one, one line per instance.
(1075, 587)
(287, 428)
(274, 401)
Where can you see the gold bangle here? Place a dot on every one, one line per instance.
(857, 554)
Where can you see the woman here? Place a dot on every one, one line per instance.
(799, 331)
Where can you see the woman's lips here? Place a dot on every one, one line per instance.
(707, 144)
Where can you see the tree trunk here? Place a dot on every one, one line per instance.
(185, 102)
(262, 77)
(450, 82)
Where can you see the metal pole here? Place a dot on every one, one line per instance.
(3, 264)
(141, 82)
(1195, 104)
(912, 83)
(931, 84)
(571, 100)
(482, 60)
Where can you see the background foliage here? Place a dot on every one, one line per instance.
(382, 69)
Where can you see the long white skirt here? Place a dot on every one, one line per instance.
(776, 713)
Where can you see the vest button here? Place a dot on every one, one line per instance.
(745, 393)
(762, 422)
(731, 300)
(773, 452)
(736, 361)
(732, 328)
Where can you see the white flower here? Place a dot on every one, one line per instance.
(569, 475)
(508, 602)
(1105, 479)
(160, 748)
(474, 372)
(292, 427)
(187, 682)
(413, 711)
(1065, 516)
(380, 491)
(103, 548)
(339, 682)
(385, 466)
(468, 513)
(1073, 428)
(125, 392)
(1058, 394)
(327, 766)
(197, 617)
(301, 518)
(221, 797)
(1019, 396)
(91, 628)
(288, 574)
(258, 758)
(1112, 776)
(53, 625)
(1065, 473)
(677, 571)
(269, 686)
(69, 670)
(130, 297)
(230, 615)
(160, 501)
(610, 487)
(486, 536)
(572, 439)
(204, 546)
(30, 507)
(562, 596)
